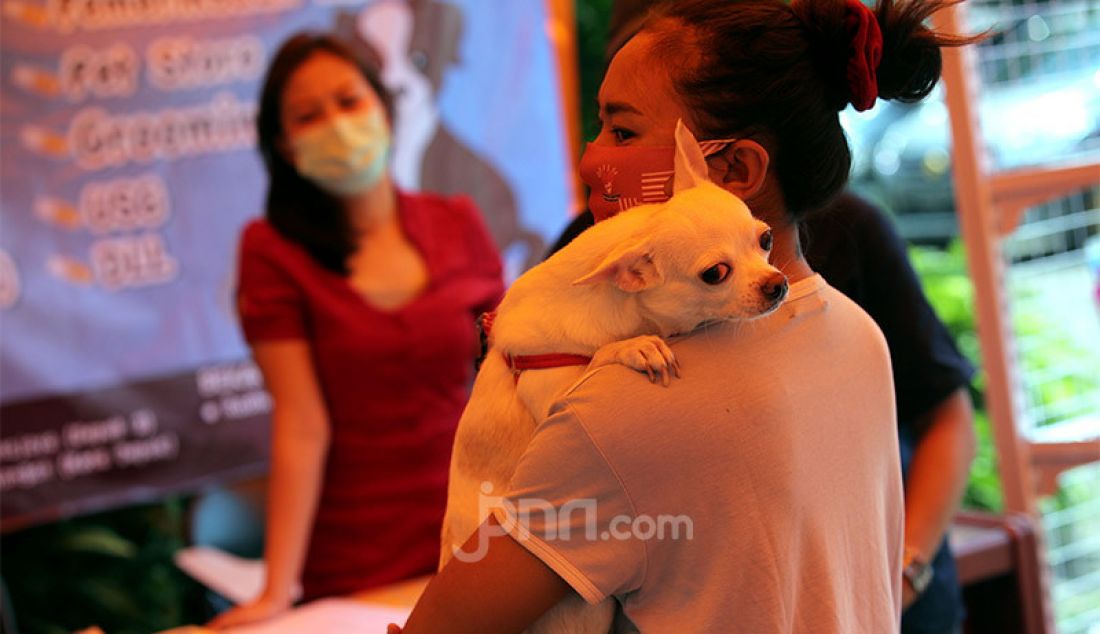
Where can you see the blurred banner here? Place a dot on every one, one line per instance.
(128, 169)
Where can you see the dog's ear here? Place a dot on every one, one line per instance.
(691, 165)
(632, 269)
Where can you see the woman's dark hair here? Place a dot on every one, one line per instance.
(775, 72)
(298, 209)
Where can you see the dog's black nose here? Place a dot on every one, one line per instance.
(774, 288)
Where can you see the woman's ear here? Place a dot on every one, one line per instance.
(741, 168)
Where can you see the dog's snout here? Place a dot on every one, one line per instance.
(774, 288)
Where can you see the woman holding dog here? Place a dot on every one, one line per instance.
(359, 302)
(779, 442)
(856, 248)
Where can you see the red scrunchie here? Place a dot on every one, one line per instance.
(864, 54)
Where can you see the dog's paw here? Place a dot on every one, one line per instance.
(647, 354)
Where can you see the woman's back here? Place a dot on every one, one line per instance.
(763, 488)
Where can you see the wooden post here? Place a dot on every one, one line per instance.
(980, 227)
(562, 29)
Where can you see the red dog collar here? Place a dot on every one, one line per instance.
(520, 362)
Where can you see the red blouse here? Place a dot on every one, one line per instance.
(394, 381)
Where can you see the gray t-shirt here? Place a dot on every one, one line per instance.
(761, 492)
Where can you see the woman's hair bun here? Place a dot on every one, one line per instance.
(830, 44)
(910, 62)
(779, 73)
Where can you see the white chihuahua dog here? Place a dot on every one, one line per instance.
(610, 296)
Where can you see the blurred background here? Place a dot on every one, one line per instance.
(1026, 249)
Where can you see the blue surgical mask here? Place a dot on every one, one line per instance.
(345, 155)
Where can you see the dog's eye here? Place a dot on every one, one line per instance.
(766, 240)
(716, 274)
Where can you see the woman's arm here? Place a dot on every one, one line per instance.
(938, 475)
(299, 445)
(505, 590)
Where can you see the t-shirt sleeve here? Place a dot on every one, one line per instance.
(567, 506)
(927, 365)
(270, 304)
(484, 257)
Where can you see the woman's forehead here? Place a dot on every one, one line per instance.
(636, 79)
(321, 74)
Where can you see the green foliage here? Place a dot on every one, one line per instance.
(947, 284)
(1060, 376)
(1072, 524)
(593, 17)
(113, 570)
(983, 491)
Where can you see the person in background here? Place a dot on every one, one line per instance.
(855, 247)
(780, 444)
(359, 303)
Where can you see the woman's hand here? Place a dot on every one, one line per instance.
(261, 609)
(908, 597)
(299, 442)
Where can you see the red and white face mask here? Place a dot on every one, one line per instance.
(624, 176)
